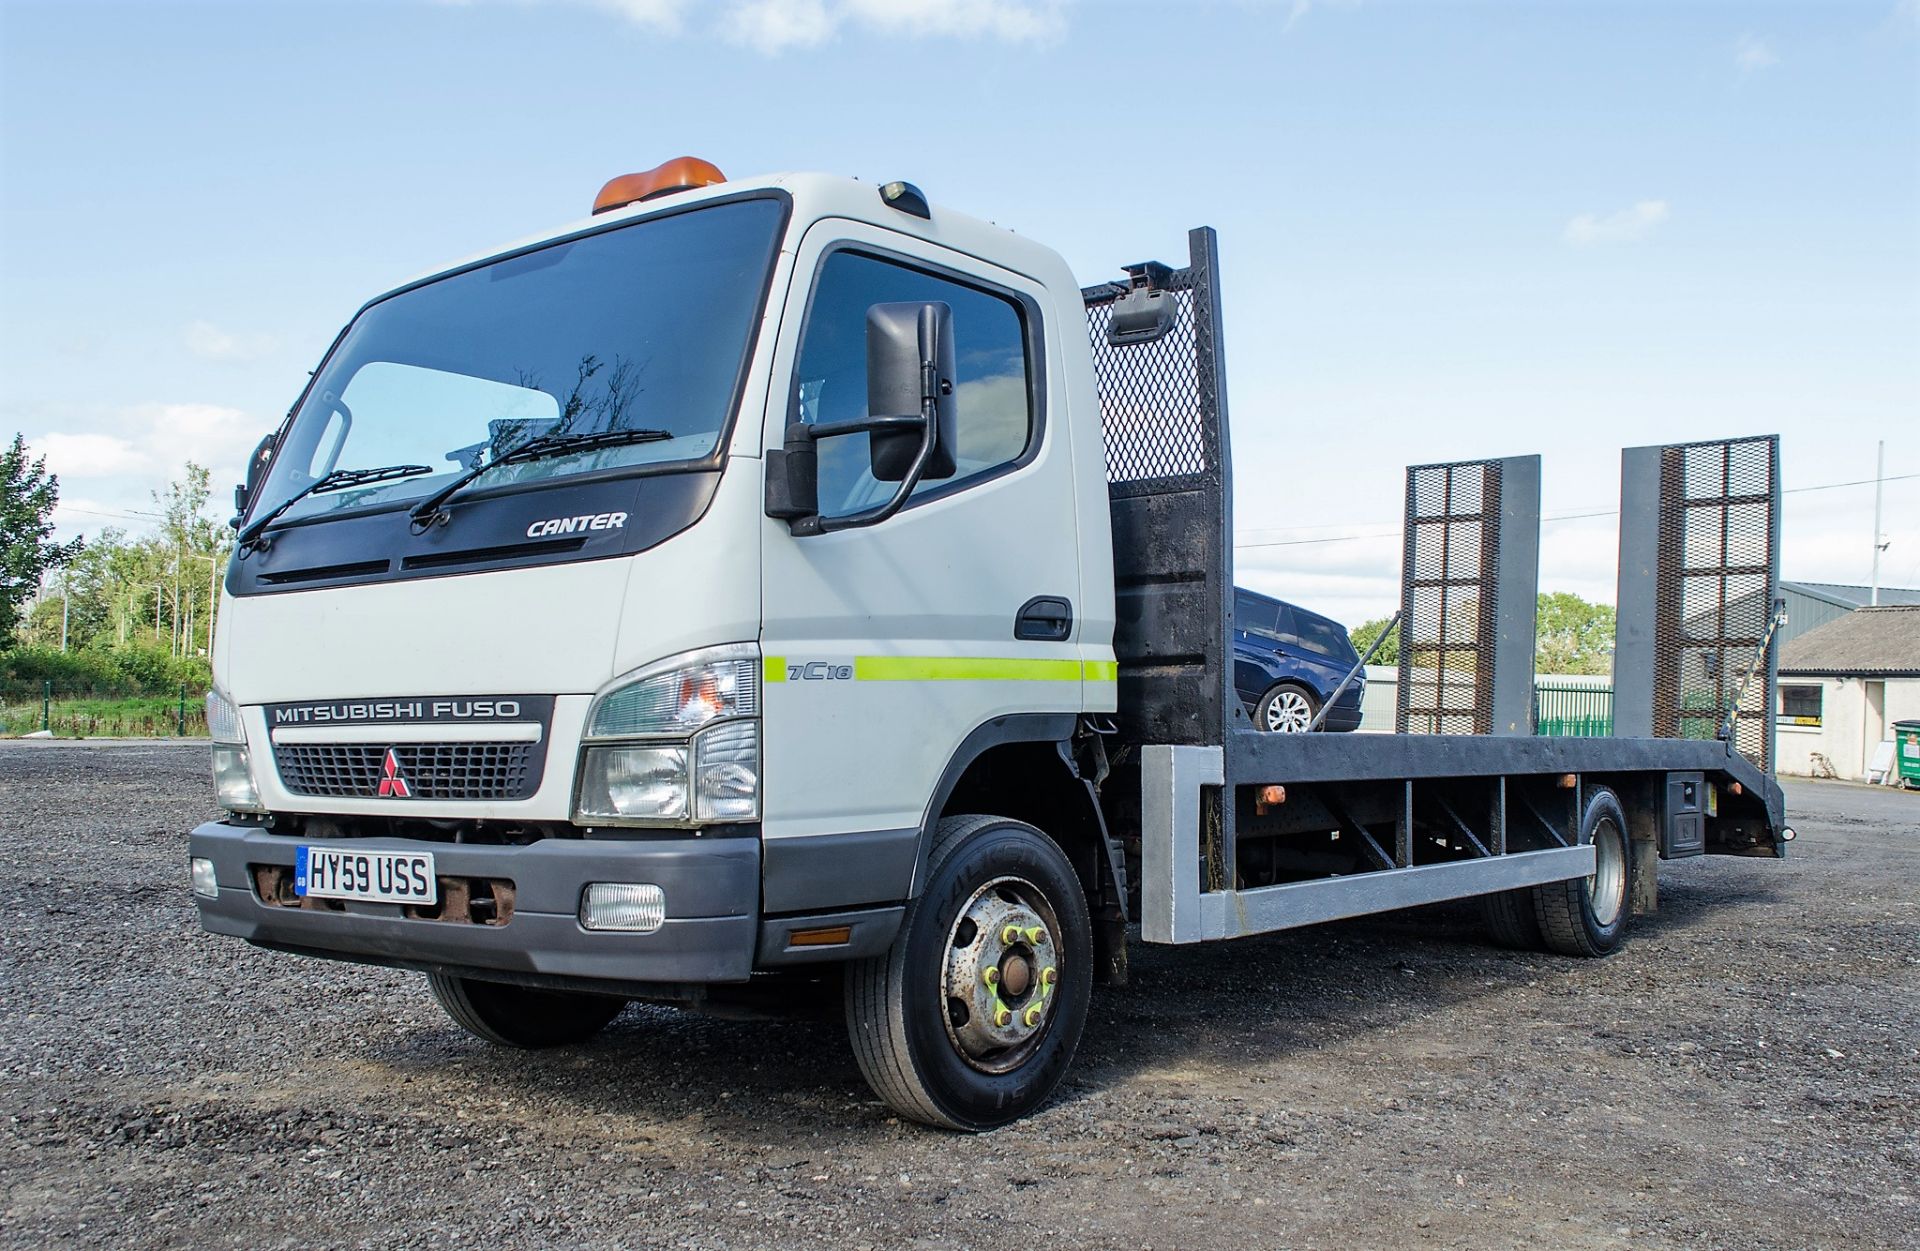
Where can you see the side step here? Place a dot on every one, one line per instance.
(1174, 909)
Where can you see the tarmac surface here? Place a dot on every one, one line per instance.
(1744, 1074)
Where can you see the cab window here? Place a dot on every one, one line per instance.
(993, 388)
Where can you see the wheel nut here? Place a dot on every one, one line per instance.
(1010, 935)
(1036, 936)
(991, 977)
(1033, 1016)
(1002, 1015)
(1048, 977)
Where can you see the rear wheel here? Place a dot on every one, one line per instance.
(973, 1016)
(523, 1016)
(1510, 919)
(1286, 709)
(1588, 916)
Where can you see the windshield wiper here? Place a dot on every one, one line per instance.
(339, 480)
(429, 510)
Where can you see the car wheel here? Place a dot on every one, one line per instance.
(523, 1016)
(973, 1016)
(1286, 709)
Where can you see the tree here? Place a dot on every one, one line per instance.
(1366, 632)
(28, 495)
(1571, 635)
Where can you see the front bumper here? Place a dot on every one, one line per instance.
(711, 932)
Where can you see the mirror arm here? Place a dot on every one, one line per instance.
(874, 516)
(868, 425)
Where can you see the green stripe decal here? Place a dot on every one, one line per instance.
(962, 669)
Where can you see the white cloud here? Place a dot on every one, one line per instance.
(772, 26)
(127, 453)
(89, 455)
(209, 342)
(1300, 8)
(1010, 21)
(1750, 53)
(1626, 226)
(661, 15)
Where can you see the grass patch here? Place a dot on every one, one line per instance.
(104, 716)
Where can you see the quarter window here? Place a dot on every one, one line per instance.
(1256, 615)
(993, 390)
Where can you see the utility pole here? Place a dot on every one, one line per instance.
(66, 599)
(1879, 485)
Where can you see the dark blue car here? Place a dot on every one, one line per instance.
(1287, 662)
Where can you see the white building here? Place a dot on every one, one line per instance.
(1843, 685)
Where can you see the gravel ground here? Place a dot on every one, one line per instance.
(1743, 1075)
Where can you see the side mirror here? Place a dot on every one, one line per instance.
(256, 470)
(910, 423)
(910, 369)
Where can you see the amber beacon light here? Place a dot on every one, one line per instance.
(682, 173)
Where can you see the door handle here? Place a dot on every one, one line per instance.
(1044, 619)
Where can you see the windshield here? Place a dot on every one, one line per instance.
(641, 327)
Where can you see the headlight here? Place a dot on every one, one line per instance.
(634, 783)
(681, 694)
(233, 779)
(702, 765)
(232, 775)
(726, 772)
(223, 719)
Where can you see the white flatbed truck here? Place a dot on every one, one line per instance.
(791, 579)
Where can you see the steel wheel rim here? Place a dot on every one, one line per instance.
(1000, 983)
(1607, 885)
(1288, 713)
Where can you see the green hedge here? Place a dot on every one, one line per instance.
(149, 668)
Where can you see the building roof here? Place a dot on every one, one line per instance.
(1841, 595)
(1867, 642)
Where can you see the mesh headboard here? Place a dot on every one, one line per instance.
(1163, 412)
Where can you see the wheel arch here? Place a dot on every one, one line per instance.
(1022, 767)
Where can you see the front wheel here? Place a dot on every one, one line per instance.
(973, 1016)
(523, 1016)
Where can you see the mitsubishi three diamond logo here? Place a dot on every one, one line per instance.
(392, 785)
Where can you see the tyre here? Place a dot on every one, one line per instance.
(522, 1016)
(1286, 709)
(1510, 919)
(973, 1016)
(1588, 916)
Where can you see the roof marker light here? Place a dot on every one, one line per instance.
(682, 173)
(907, 198)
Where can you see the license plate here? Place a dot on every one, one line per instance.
(404, 877)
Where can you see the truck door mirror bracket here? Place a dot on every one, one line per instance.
(257, 464)
(1148, 311)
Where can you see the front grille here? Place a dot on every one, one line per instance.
(447, 771)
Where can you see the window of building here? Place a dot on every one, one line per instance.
(993, 389)
(1800, 704)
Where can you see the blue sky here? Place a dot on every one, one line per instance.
(1449, 230)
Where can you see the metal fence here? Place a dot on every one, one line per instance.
(1573, 710)
(95, 710)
